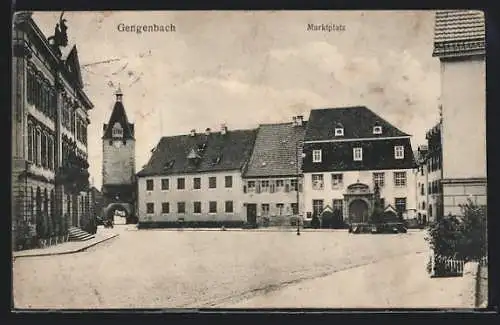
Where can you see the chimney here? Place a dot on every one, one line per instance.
(193, 132)
(223, 129)
(294, 119)
(207, 131)
(299, 120)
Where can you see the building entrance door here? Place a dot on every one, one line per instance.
(358, 211)
(252, 214)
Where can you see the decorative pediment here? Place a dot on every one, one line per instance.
(391, 209)
(358, 188)
(72, 64)
(193, 155)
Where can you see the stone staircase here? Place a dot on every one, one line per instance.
(76, 234)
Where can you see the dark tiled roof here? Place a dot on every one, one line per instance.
(459, 33)
(274, 153)
(119, 115)
(229, 151)
(357, 121)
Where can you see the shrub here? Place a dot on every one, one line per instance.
(265, 221)
(461, 238)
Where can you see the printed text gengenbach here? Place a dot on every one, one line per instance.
(139, 29)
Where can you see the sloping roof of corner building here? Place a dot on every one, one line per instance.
(357, 122)
(215, 152)
(275, 150)
(459, 33)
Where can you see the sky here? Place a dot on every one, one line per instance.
(245, 68)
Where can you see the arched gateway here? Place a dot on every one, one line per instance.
(359, 202)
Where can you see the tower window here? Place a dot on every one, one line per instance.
(117, 131)
(377, 129)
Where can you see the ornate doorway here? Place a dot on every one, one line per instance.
(358, 211)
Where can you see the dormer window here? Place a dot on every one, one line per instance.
(377, 129)
(339, 131)
(117, 131)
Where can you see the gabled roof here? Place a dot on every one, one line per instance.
(221, 152)
(119, 115)
(72, 64)
(274, 153)
(459, 33)
(357, 121)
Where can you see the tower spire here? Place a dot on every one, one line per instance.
(119, 94)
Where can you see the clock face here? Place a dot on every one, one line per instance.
(117, 144)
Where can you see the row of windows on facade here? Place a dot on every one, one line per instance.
(41, 203)
(181, 183)
(197, 207)
(42, 146)
(433, 187)
(337, 204)
(434, 163)
(337, 180)
(339, 130)
(357, 154)
(43, 96)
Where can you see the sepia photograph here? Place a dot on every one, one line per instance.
(248, 160)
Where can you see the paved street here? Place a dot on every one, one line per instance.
(153, 269)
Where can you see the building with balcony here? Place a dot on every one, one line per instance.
(459, 43)
(273, 180)
(195, 180)
(347, 151)
(50, 116)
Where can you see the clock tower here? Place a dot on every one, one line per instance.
(118, 164)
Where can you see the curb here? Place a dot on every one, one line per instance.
(68, 252)
(469, 289)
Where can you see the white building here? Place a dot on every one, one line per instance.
(349, 150)
(459, 43)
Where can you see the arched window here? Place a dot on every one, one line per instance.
(30, 141)
(117, 131)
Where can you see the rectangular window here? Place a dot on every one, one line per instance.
(165, 207)
(422, 189)
(212, 207)
(181, 207)
(337, 180)
(280, 208)
(164, 184)
(377, 130)
(400, 179)
(150, 208)
(280, 183)
(357, 154)
(338, 205)
(317, 156)
(181, 183)
(294, 185)
(399, 152)
(228, 181)
(30, 142)
(197, 183)
(265, 209)
(339, 132)
(251, 185)
(317, 207)
(197, 207)
(229, 206)
(379, 179)
(149, 185)
(400, 204)
(264, 185)
(43, 150)
(294, 208)
(212, 182)
(317, 181)
(37, 148)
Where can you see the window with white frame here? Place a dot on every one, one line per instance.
(337, 180)
(150, 208)
(317, 156)
(264, 186)
(400, 179)
(317, 181)
(251, 185)
(377, 129)
(379, 179)
(265, 209)
(399, 152)
(339, 131)
(117, 131)
(338, 205)
(317, 207)
(280, 183)
(357, 154)
(280, 208)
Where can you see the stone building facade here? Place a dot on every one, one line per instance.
(49, 125)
